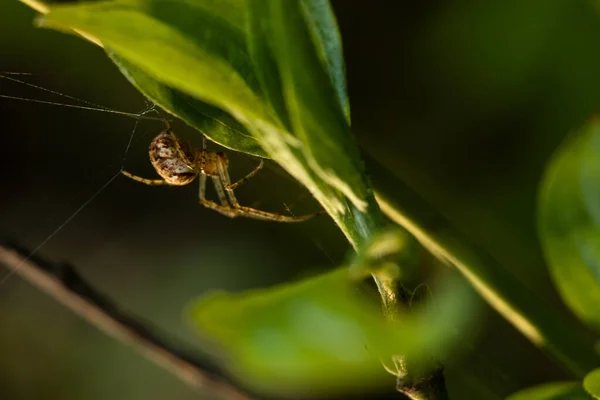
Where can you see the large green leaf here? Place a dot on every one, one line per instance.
(320, 335)
(224, 18)
(296, 49)
(323, 29)
(313, 105)
(552, 391)
(591, 383)
(569, 221)
(189, 47)
(260, 45)
(162, 38)
(213, 122)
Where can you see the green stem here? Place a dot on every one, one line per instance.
(520, 306)
(359, 228)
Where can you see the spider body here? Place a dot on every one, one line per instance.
(178, 165)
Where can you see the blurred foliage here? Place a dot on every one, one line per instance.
(591, 383)
(552, 391)
(569, 221)
(320, 336)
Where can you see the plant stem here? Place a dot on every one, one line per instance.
(418, 385)
(521, 307)
(65, 285)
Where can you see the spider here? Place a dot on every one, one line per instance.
(178, 165)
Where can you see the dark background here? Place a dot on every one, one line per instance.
(464, 100)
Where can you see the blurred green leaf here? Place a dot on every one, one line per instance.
(391, 251)
(569, 221)
(321, 335)
(552, 391)
(591, 383)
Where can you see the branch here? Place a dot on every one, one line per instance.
(62, 282)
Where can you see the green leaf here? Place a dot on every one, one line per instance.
(569, 221)
(216, 124)
(296, 49)
(223, 18)
(591, 383)
(321, 335)
(323, 30)
(162, 38)
(552, 391)
(326, 37)
(261, 49)
(312, 103)
(189, 47)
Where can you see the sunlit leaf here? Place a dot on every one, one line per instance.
(552, 391)
(162, 38)
(323, 29)
(216, 124)
(195, 48)
(296, 49)
(591, 383)
(569, 221)
(313, 104)
(321, 335)
(261, 48)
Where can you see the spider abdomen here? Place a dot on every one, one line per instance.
(172, 159)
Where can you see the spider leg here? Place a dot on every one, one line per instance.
(247, 177)
(203, 154)
(220, 192)
(223, 182)
(268, 216)
(151, 182)
(225, 210)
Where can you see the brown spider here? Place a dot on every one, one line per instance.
(179, 165)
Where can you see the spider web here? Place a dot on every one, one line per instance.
(80, 202)
(54, 232)
(81, 104)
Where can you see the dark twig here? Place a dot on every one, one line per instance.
(62, 282)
